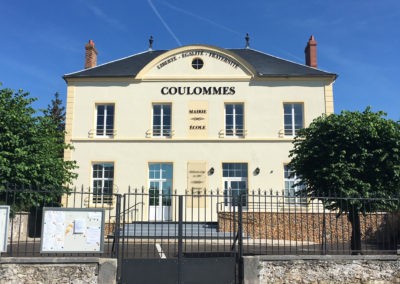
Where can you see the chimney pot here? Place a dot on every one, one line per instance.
(90, 55)
(311, 52)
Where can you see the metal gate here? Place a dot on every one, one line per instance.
(191, 248)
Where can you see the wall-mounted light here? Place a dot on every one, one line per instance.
(211, 171)
(256, 171)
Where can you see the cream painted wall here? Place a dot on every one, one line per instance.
(131, 150)
(131, 161)
(133, 106)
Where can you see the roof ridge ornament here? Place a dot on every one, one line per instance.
(151, 40)
(247, 38)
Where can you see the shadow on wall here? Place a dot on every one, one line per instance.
(387, 235)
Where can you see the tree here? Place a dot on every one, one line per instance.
(30, 148)
(348, 156)
(56, 111)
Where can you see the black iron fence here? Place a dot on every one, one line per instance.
(143, 224)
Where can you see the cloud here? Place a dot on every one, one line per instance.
(29, 70)
(200, 18)
(163, 22)
(59, 41)
(106, 18)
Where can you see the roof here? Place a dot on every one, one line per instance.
(270, 66)
(264, 64)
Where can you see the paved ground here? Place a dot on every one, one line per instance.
(170, 230)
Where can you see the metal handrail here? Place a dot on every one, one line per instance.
(128, 209)
(92, 134)
(150, 133)
(242, 133)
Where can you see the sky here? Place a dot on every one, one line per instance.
(357, 39)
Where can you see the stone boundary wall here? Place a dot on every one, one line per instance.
(308, 227)
(57, 270)
(322, 269)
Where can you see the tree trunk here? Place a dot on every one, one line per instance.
(354, 219)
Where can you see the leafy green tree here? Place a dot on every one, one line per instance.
(351, 159)
(30, 154)
(56, 111)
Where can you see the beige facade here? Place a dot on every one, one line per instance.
(200, 141)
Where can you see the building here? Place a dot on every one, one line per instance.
(193, 119)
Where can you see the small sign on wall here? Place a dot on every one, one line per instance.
(197, 184)
(72, 230)
(198, 119)
(4, 221)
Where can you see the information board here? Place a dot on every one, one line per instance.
(4, 221)
(197, 183)
(72, 230)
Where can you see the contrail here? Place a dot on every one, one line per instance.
(200, 18)
(163, 22)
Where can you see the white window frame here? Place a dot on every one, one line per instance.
(234, 132)
(228, 195)
(160, 201)
(290, 191)
(162, 131)
(102, 197)
(290, 129)
(103, 131)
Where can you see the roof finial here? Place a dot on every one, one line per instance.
(247, 38)
(151, 40)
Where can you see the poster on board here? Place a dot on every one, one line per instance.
(73, 230)
(4, 221)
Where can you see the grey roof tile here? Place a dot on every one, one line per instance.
(268, 65)
(264, 64)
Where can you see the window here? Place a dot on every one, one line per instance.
(103, 182)
(235, 183)
(293, 118)
(234, 120)
(162, 120)
(197, 63)
(105, 120)
(290, 188)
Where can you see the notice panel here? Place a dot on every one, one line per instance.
(72, 230)
(197, 184)
(4, 221)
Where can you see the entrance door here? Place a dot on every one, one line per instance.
(235, 183)
(160, 190)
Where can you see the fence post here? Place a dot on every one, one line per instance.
(115, 252)
(180, 237)
(323, 244)
(233, 206)
(240, 238)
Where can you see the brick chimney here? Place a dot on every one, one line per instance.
(311, 52)
(90, 55)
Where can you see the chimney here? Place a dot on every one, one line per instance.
(90, 55)
(311, 52)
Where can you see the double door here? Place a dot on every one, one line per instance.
(160, 191)
(234, 191)
(235, 183)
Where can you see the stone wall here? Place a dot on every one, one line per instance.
(322, 269)
(308, 227)
(57, 270)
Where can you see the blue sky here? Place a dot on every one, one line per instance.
(359, 39)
